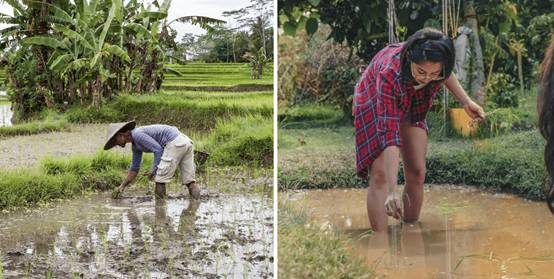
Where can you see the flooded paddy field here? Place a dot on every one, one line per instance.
(223, 235)
(462, 233)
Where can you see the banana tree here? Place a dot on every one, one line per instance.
(80, 53)
(518, 49)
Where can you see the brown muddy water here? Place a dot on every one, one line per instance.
(221, 236)
(462, 233)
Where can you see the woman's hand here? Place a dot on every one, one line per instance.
(393, 205)
(474, 111)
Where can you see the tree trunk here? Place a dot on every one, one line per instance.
(477, 71)
(96, 92)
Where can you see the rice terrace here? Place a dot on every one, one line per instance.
(69, 69)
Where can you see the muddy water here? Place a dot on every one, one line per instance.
(462, 233)
(5, 115)
(97, 237)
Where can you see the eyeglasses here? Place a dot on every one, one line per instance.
(419, 73)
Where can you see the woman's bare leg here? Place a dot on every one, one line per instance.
(383, 176)
(414, 150)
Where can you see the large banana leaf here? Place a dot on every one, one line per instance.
(73, 35)
(172, 71)
(138, 29)
(109, 19)
(58, 62)
(43, 41)
(203, 21)
(117, 51)
(152, 15)
(199, 20)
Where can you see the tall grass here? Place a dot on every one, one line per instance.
(51, 122)
(195, 114)
(242, 141)
(307, 252)
(62, 178)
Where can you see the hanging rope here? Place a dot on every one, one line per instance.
(445, 6)
(393, 22)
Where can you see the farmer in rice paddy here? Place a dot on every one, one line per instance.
(172, 150)
(390, 104)
(545, 107)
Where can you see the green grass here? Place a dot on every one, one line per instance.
(51, 122)
(324, 158)
(223, 95)
(310, 116)
(63, 178)
(197, 113)
(244, 140)
(199, 75)
(35, 127)
(307, 252)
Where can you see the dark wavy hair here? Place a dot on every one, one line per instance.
(545, 108)
(427, 45)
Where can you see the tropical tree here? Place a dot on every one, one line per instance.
(58, 51)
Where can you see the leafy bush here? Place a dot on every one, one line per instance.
(502, 90)
(317, 70)
(91, 115)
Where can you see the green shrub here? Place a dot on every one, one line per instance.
(502, 90)
(242, 141)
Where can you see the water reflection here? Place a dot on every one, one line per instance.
(462, 234)
(164, 238)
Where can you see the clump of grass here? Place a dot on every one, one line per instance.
(29, 187)
(51, 122)
(62, 178)
(106, 114)
(242, 141)
(31, 128)
(307, 252)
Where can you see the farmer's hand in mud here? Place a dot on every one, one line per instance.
(149, 174)
(116, 193)
(393, 205)
(474, 111)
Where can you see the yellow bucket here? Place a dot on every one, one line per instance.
(461, 122)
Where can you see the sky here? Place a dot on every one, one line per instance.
(179, 8)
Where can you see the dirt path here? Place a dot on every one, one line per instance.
(26, 151)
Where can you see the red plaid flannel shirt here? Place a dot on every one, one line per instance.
(382, 100)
